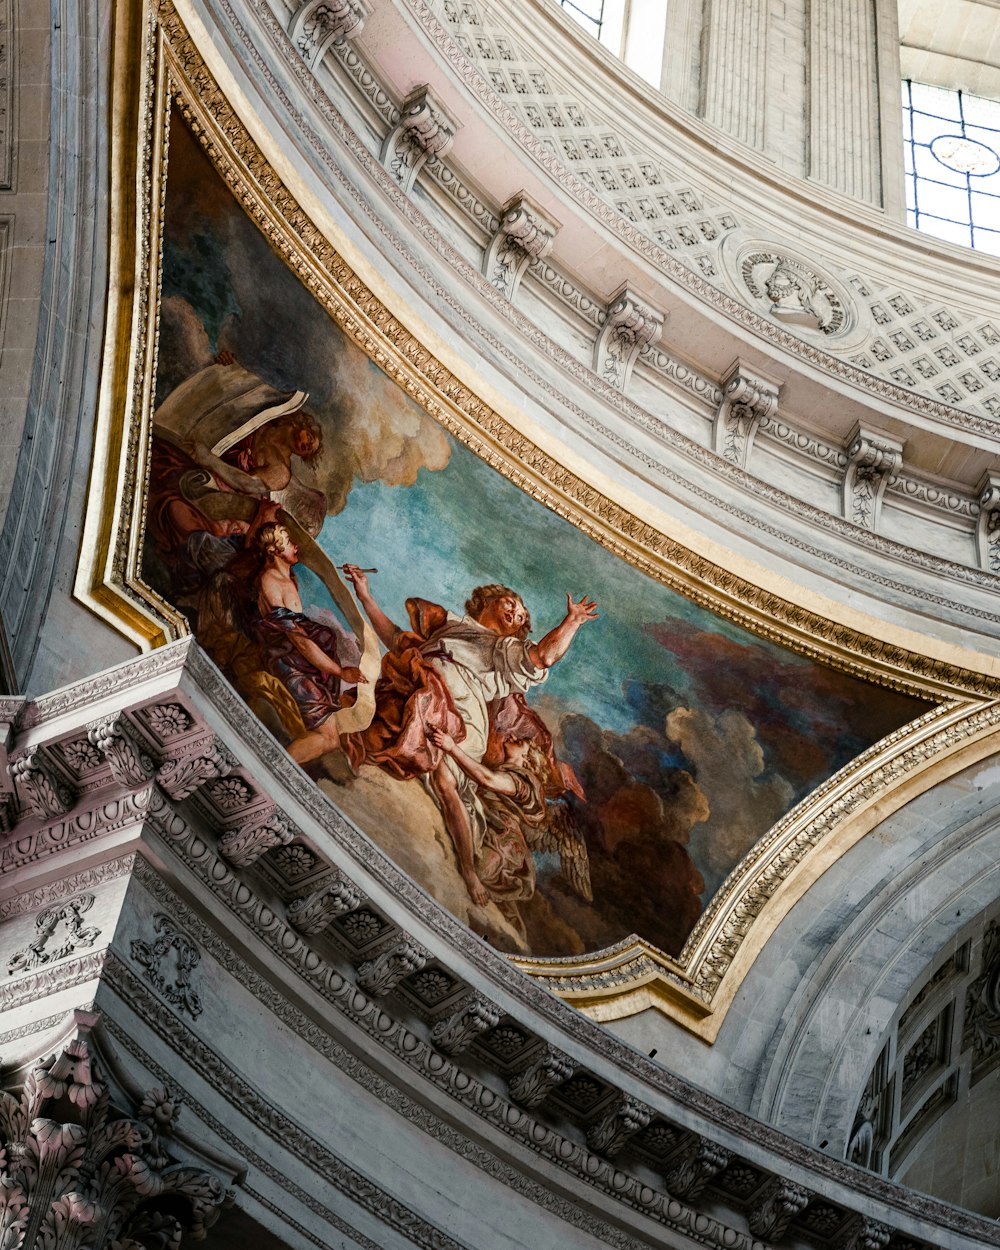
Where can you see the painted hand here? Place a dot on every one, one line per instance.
(578, 613)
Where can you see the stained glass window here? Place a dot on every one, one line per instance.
(589, 13)
(952, 163)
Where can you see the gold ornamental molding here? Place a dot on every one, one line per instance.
(157, 64)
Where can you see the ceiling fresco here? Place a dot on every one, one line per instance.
(560, 749)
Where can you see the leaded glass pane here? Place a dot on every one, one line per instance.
(952, 163)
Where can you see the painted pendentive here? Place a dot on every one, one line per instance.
(631, 755)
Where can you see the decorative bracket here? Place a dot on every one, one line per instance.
(694, 1165)
(988, 529)
(475, 1015)
(245, 844)
(130, 763)
(544, 1073)
(525, 233)
(313, 913)
(778, 1203)
(864, 1233)
(40, 786)
(746, 401)
(318, 23)
(381, 975)
(629, 326)
(873, 457)
(423, 130)
(180, 778)
(626, 1117)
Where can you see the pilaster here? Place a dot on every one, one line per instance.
(844, 130)
(734, 83)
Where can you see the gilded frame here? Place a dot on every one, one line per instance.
(156, 61)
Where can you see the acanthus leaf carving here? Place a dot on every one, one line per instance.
(171, 977)
(95, 1179)
(245, 844)
(626, 1117)
(524, 234)
(39, 784)
(864, 1233)
(181, 777)
(61, 931)
(873, 457)
(130, 763)
(475, 1015)
(629, 325)
(747, 400)
(774, 1208)
(313, 913)
(423, 130)
(316, 24)
(694, 1165)
(988, 526)
(381, 975)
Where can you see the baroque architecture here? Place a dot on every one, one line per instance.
(306, 944)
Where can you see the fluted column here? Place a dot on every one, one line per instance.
(844, 131)
(734, 94)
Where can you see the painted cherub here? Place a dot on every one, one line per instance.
(518, 821)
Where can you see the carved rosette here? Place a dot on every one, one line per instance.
(872, 459)
(61, 932)
(626, 1117)
(778, 1203)
(525, 233)
(94, 1179)
(313, 913)
(629, 326)
(245, 844)
(747, 400)
(694, 1165)
(130, 763)
(475, 1015)
(988, 527)
(544, 1073)
(39, 785)
(316, 24)
(381, 975)
(423, 130)
(180, 778)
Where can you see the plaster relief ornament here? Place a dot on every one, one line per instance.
(61, 932)
(78, 1176)
(423, 130)
(794, 291)
(629, 326)
(168, 962)
(524, 234)
(316, 24)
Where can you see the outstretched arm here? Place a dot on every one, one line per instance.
(551, 649)
(499, 783)
(384, 629)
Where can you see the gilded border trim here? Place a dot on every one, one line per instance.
(696, 988)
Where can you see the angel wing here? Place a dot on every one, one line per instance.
(559, 833)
